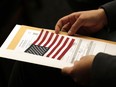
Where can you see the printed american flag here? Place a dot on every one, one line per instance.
(50, 45)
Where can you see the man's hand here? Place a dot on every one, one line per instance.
(83, 22)
(81, 71)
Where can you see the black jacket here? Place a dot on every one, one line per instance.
(104, 65)
(104, 71)
(110, 9)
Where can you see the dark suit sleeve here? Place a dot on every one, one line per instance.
(110, 9)
(104, 70)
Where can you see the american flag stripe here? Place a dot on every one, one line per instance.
(63, 45)
(63, 48)
(38, 37)
(51, 35)
(53, 41)
(55, 46)
(51, 45)
(67, 48)
(43, 38)
(56, 43)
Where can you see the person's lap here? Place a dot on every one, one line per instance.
(26, 74)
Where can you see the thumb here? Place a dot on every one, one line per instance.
(67, 70)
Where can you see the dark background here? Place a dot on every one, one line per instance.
(36, 13)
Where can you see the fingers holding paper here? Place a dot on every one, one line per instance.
(83, 22)
(81, 70)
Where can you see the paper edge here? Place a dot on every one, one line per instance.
(26, 57)
(10, 36)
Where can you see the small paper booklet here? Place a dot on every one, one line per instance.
(44, 47)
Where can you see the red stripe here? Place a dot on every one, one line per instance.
(43, 38)
(55, 47)
(49, 39)
(38, 37)
(63, 45)
(54, 41)
(69, 46)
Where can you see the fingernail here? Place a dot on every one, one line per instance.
(69, 33)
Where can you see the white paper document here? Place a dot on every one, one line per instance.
(50, 49)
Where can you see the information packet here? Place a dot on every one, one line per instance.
(44, 47)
